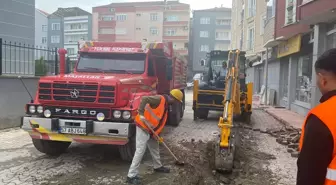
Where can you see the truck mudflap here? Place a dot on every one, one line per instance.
(95, 132)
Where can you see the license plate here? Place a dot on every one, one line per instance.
(71, 130)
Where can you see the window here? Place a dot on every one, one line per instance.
(55, 26)
(223, 22)
(75, 38)
(44, 28)
(290, 11)
(112, 63)
(262, 24)
(120, 31)
(107, 17)
(205, 20)
(204, 34)
(205, 48)
(121, 17)
(270, 9)
(106, 31)
(70, 51)
(153, 16)
(250, 42)
(55, 39)
(170, 32)
(222, 35)
(222, 47)
(303, 80)
(172, 18)
(251, 8)
(154, 31)
(44, 40)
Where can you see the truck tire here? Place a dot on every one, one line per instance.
(127, 151)
(52, 148)
(203, 113)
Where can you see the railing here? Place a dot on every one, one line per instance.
(20, 59)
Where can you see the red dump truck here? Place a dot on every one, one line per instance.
(98, 102)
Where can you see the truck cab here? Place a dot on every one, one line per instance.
(98, 102)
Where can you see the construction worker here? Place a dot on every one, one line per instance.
(317, 159)
(154, 110)
(223, 70)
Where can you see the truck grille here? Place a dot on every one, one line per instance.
(77, 92)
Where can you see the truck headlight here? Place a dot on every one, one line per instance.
(100, 116)
(116, 114)
(126, 115)
(40, 109)
(47, 113)
(32, 109)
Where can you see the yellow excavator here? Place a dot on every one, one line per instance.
(236, 103)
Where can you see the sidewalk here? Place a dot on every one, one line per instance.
(283, 115)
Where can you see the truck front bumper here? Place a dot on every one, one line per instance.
(96, 132)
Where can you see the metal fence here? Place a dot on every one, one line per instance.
(21, 59)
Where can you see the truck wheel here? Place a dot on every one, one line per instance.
(203, 113)
(127, 151)
(52, 148)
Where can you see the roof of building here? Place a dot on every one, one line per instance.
(216, 9)
(43, 12)
(144, 3)
(69, 12)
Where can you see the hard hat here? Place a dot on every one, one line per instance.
(177, 94)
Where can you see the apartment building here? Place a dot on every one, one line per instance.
(138, 21)
(211, 31)
(67, 26)
(41, 28)
(20, 20)
(253, 24)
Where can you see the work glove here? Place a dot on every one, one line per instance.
(142, 118)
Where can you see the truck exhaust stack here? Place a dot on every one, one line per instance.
(62, 53)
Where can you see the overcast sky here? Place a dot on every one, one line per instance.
(50, 6)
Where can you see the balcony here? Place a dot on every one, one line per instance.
(176, 37)
(105, 24)
(269, 30)
(182, 51)
(317, 11)
(176, 23)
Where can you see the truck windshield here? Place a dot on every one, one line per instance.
(112, 63)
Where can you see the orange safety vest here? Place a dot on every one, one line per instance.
(326, 113)
(156, 117)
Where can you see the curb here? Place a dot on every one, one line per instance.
(280, 119)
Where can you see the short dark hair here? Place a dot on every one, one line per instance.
(327, 61)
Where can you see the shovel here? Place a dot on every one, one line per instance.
(160, 140)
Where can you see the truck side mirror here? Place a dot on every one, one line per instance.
(169, 69)
(202, 62)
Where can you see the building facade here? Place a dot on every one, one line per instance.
(138, 21)
(211, 31)
(18, 21)
(41, 28)
(66, 27)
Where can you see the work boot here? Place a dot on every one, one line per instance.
(133, 180)
(162, 169)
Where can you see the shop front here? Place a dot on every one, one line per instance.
(296, 69)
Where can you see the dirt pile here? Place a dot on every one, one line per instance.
(250, 167)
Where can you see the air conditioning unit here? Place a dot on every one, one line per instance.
(112, 9)
(186, 28)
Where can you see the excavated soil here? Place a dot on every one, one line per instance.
(250, 166)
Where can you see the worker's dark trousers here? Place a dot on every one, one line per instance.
(143, 140)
